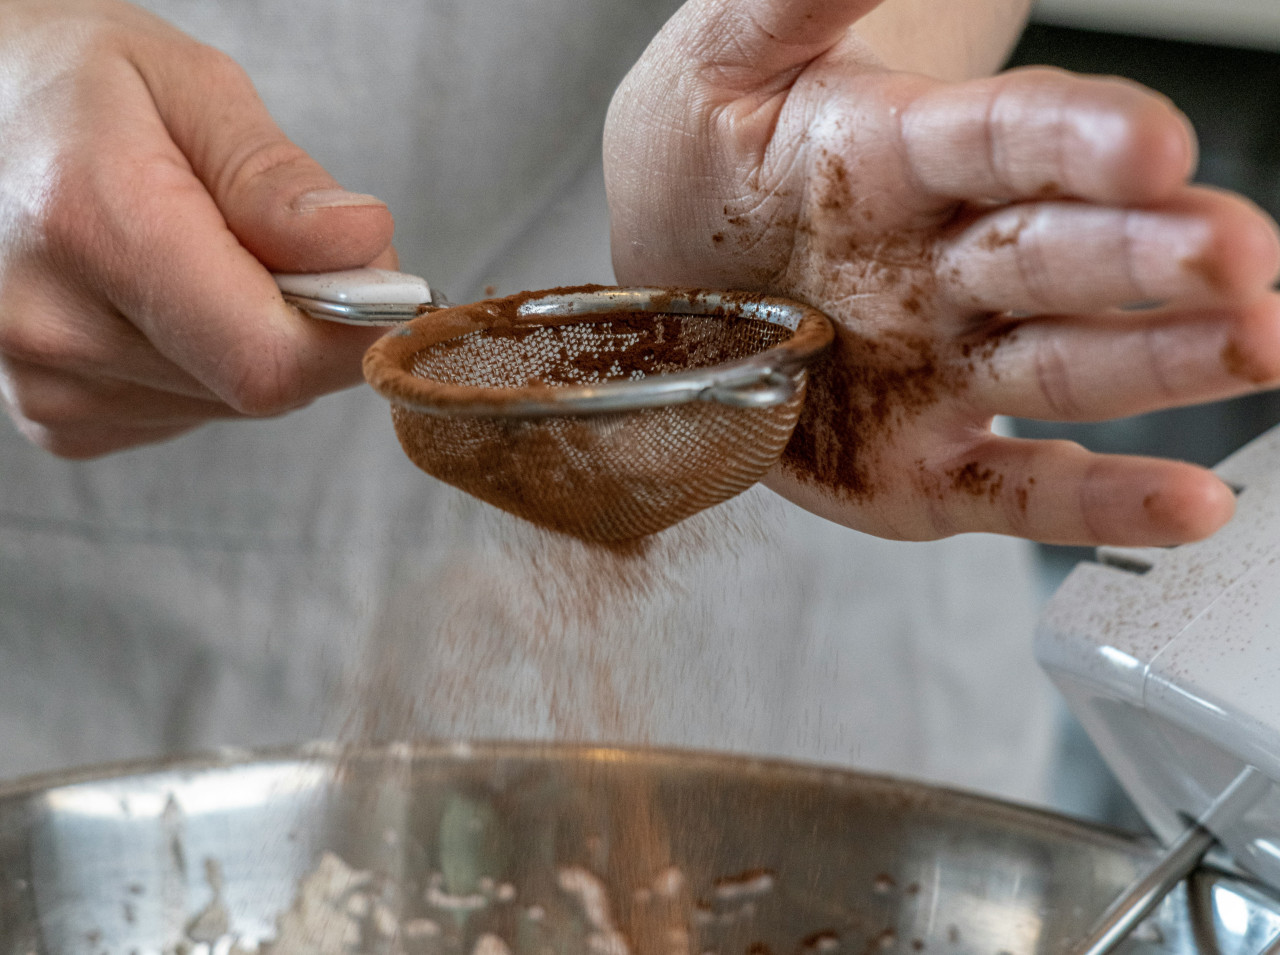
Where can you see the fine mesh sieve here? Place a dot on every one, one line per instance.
(604, 413)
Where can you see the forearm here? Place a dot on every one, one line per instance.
(947, 39)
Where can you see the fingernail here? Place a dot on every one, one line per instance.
(333, 199)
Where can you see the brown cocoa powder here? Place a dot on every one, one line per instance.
(858, 396)
(997, 238)
(976, 480)
(566, 610)
(868, 388)
(603, 477)
(569, 610)
(1240, 364)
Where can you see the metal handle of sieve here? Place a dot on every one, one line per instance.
(752, 386)
(375, 297)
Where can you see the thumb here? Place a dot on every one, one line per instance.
(752, 41)
(282, 206)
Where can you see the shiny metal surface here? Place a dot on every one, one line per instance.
(1175, 863)
(386, 315)
(463, 845)
(765, 379)
(1144, 896)
(367, 296)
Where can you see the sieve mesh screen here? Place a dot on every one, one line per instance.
(604, 477)
(631, 346)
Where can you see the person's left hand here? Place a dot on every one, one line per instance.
(975, 244)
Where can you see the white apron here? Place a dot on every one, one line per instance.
(269, 582)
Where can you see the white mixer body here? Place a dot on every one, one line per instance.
(1170, 658)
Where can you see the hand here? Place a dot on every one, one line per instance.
(144, 194)
(974, 242)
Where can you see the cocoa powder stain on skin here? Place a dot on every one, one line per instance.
(858, 397)
(1204, 268)
(976, 480)
(835, 192)
(1238, 363)
(867, 390)
(1022, 495)
(869, 385)
(982, 351)
(998, 238)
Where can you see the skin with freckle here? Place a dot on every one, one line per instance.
(975, 241)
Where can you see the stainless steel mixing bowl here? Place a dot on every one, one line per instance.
(527, 849)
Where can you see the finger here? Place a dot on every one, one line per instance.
(60, 401)
(1206, 246)
(43, 324)
(1042, 132)
(1092, 368)
(746, 43)
(191, 287)
(279, 202)
(1057, 492)
(95, 441)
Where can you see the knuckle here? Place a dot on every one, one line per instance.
(260, 382)
(1053, 373)
(255, 159)
(95, 217)
(72, 447)
(53, 408)
(36, 342)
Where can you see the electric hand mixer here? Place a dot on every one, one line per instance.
(1170, 658)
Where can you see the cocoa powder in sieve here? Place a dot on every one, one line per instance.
(603, 476)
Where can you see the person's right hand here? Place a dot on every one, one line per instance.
(145, 194)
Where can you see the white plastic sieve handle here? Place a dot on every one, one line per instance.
(359, 296)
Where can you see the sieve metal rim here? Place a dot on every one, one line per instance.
(765, 379)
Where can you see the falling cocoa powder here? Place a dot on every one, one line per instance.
(542, 629)
(518, 599)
